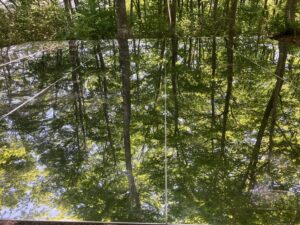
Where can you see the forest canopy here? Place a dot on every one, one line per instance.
(107, 107)
(23, 21)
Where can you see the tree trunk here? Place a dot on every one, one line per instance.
(173, 10)
(175, 83)
(105, 105)
(7, 7)
(7, 75)
(213, 91)
(68, 11)
(78, 94)
(230, 72)
(290, 13)
(213, 75)
(131, 11)
(271, 137)
(124, 60)
(174, 43)
(190, 53)
(272, 103)
(215, 9)
(137, 50)
(266, 4)
(160, 69)
(76, 3)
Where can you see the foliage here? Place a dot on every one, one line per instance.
(47, 20)
(94, 24)
(32, 22)
(64, 150)
(80, 149)
(4, 28)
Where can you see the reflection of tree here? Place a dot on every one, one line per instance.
(7, 73)
(230, 68)
(103, 83)
(91, 181)
(124, 59)
(78, 96)
(174, 75)
(271, 107)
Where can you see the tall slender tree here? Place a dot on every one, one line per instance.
(124, 60)
(172, 9)
(230, 68)
(213, 73)
(290, 11)
(272, 104)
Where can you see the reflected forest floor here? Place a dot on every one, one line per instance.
(230, 160)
